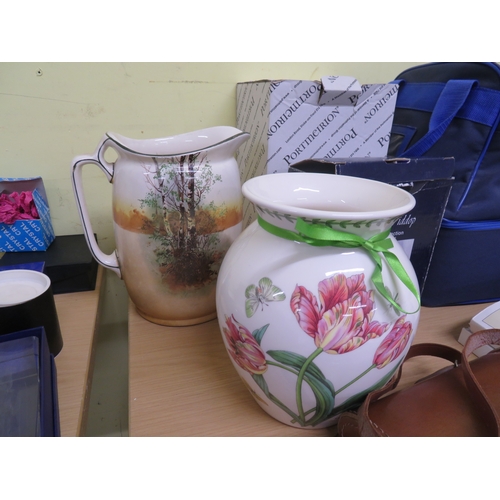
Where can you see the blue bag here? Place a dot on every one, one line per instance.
(453, 110)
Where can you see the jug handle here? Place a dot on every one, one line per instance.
(109, 261)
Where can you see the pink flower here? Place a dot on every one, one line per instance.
(243, 347)
(16, 206)
(342, 319)
(394, 344)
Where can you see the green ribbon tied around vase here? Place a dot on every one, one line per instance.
(320, 235)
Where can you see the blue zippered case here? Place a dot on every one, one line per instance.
(453, 109)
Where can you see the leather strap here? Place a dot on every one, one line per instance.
(488, 412)
(368, 428)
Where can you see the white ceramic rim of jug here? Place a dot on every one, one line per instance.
(172, 145)
(294, 193)
(18, 286)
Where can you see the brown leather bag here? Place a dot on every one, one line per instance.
(462, 400)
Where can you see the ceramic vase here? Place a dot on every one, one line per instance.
(317, 302)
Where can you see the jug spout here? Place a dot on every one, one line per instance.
(225, 141)
(218, 143)
(235, 139)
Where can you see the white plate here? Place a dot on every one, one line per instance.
(21, 285)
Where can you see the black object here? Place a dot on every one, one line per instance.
(68, 263)
(453, 109)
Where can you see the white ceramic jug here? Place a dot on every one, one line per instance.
(177, 207)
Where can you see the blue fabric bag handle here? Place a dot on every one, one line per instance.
(452, 98)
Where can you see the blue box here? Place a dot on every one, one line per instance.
(28, 397)
(27, 235)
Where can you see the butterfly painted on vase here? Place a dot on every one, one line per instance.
(261, 294)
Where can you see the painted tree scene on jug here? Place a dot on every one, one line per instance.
(183, 223)
(339, 319)
(176, 215)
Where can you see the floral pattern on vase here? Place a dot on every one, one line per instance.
(340, 320)
(244, 347)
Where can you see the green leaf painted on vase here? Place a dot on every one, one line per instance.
(259, 333)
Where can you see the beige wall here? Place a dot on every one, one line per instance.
(52, 112)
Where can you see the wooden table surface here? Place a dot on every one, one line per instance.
(182, 382)
(77, 314)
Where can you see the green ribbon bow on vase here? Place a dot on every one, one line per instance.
(320, 234)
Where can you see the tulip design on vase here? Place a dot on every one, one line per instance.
(339, 320)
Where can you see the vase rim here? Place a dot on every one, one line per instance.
(326, 196)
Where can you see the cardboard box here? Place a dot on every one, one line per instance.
(68, 263)
(27, 235)
(293, 120)
(428, 179)
(344, 89)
